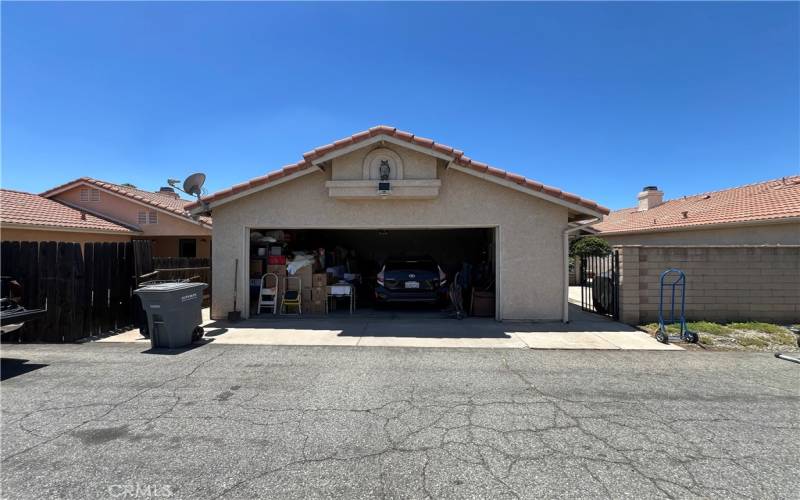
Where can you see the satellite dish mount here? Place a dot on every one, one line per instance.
(193, 185)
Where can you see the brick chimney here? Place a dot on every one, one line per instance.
(168, 191)
(650, 197)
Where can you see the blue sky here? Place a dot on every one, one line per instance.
(599, 99)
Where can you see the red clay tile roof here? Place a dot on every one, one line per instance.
(770, 200)
(165, 202)
(17, 207)
(457, 155)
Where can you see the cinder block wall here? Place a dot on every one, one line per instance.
(724, 283)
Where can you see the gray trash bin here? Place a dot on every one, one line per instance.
(174, 311)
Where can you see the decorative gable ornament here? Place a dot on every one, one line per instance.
(383, 176)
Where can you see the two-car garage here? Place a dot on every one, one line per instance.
(399, 269)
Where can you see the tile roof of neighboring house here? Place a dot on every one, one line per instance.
(458, 157)
(764, 201)
(163, 201)
(19, 208)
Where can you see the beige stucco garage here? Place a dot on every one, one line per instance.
(430, 186)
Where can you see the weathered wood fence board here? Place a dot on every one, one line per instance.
(86, 291)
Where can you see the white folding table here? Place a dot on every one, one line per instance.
(343, 290)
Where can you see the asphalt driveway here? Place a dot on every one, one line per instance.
(114, 421)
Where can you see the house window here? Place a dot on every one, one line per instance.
(150, 217)
(187, 247)
(90, 194)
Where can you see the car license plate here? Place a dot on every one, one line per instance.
(412, 284)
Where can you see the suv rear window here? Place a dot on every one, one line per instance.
(421, 265)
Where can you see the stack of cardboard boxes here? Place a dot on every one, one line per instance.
(314, 291)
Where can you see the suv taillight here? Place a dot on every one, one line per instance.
(442, 276)
(380, 276)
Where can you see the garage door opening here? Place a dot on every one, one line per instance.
(388, 270)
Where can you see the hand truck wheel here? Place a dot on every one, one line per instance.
(662, 337)
(691, 337)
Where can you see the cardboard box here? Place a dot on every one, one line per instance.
(319, 293)
(304, 273)
(306, 296)
(279, 270)
(319, 279)
(315, 307)
(483, 303)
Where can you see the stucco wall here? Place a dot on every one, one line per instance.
(761, 234)
(167, 246)
(530, 267)
(128, 211)
(723, 283)
(68, 236)
(416, 165)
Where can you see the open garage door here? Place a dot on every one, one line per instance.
(388, 269)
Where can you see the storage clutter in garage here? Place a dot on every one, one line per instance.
(273, 252)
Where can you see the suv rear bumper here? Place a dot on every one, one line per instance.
(383, 294)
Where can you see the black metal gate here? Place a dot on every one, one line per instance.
(599, 282)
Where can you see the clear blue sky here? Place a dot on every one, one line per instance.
(598, 99)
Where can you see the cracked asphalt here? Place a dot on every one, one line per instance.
(109, 421)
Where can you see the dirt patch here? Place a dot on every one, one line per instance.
(739, 336)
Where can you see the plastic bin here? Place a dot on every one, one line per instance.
(174, 313)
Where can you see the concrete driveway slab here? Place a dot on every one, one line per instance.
(392, 329)
(284, 336)
(636, 340)
(493, 343)
(564, 340)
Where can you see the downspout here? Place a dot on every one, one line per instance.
(567, 232)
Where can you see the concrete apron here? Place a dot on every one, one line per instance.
(410, 330)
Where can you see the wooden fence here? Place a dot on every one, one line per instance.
(86, 292)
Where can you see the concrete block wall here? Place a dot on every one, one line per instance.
(724, 283)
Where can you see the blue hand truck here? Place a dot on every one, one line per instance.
(675, 281)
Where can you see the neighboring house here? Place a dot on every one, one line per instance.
(30, 217)
(765, 213)
(385, 185)
(739, 249)
(157, 216)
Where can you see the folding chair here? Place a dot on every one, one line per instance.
(268, 295)
(292, 296)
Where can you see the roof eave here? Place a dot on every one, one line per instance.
(575, 207)
(700, 226)
(45, 227)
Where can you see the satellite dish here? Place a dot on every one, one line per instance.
(193, 184)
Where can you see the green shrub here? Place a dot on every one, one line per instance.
(589, 246)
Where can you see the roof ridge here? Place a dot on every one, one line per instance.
(128, 188)
(751, 184)
(19, 191)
